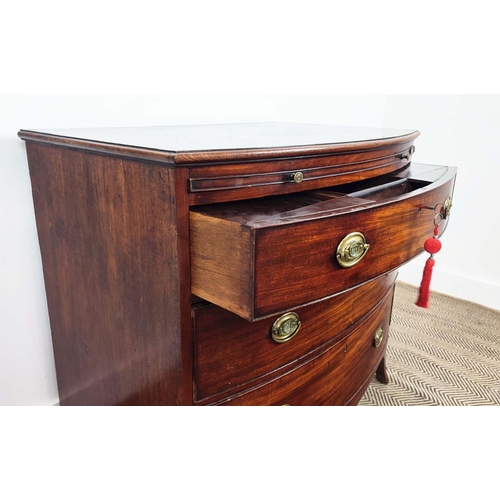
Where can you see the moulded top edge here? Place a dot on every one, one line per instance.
(222, 142)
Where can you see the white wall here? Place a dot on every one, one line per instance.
(27, 375)
(461, 131)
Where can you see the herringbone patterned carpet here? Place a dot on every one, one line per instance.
(447, 355)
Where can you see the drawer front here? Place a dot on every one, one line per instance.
(243, 181)
(232, 354)
(337, 376)
(266, 257)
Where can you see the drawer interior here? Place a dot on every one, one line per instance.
(386, 188)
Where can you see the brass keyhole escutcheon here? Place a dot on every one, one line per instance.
(352, 249)
(379, 336)
(285, 327)
(447, 208)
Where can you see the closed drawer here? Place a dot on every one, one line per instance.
(232, 354)
(260, 257)
(242, 181)
(338, 374)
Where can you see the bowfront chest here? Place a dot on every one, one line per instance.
(246, 264)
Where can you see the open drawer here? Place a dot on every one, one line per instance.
(260, 257)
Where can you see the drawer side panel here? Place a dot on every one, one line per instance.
(221, 256)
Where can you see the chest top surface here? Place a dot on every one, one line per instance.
(220, 142)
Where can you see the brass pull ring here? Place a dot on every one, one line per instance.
(441, 210)
(379, 336)
(352, 249)
(285, 327)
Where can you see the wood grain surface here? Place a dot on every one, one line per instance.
(223, 341)
(221, 143)
(336, 376)
(116, 268)
(288, 255)
(140, 227)
(211, 183)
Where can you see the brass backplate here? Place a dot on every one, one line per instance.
(352, 249)
(285, 327)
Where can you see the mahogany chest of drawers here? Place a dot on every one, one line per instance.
(246, 264)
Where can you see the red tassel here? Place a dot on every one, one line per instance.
(433, 246)
(423, 298)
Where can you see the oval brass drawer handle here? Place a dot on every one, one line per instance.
(352, 249)
(379, 336)
(285, 327)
